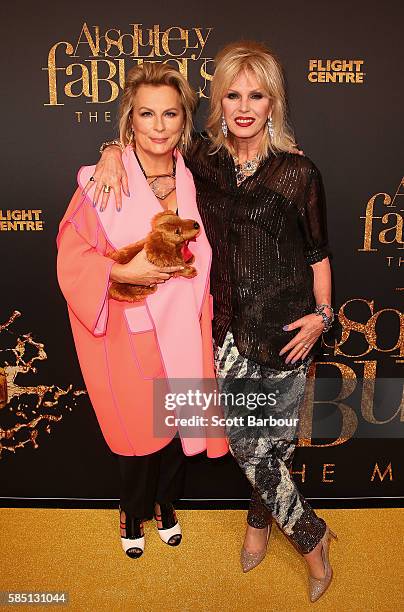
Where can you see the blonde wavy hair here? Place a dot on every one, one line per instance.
(255, 57)
(155, 74)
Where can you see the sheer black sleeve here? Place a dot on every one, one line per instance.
(196, 155)
(313, 220)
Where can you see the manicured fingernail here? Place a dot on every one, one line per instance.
(293, 360)
(285, 327)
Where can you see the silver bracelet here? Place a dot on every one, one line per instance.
(110, 143)
(328, 321)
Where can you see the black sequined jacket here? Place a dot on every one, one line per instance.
(264, 234)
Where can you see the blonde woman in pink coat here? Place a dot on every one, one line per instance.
(124, 347)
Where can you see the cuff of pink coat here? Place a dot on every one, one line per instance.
(101, 322)
(216, 447)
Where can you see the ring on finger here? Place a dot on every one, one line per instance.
(306, 346)
(107, 189)
(92, 179)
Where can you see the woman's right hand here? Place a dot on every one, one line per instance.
(109, 171)
(139, 271)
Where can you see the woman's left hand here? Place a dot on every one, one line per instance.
(311, 327)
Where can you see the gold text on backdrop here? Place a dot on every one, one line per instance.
(391, 214)
(101, 59)
(336, 71)
(20, 220)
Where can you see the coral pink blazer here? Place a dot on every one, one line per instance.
(123, 347)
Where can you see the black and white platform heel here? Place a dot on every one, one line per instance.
(132, 535)
(167, 524)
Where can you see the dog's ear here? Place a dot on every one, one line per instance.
(163, 217)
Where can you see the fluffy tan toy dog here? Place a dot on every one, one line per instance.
(166, 245)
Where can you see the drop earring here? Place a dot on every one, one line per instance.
(270, 126)
(224, 127)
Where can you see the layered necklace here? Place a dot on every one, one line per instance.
(161, 184)
(245, 169)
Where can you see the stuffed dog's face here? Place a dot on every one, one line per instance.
(175, 229)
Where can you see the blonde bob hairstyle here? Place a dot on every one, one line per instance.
(155, 74)
(255, 57)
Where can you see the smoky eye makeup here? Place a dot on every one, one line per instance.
(254, 95)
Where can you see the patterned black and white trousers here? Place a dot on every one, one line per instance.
(261, 408)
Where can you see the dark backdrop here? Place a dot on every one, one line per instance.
(51, 446)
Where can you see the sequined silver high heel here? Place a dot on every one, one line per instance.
(250, 560)
(318, 586)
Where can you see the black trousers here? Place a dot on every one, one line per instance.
(158, 477)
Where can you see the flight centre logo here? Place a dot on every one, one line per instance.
(21, 220)
(336, 71)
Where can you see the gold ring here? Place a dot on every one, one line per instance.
(107, 188)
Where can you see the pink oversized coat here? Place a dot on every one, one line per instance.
(123, 347)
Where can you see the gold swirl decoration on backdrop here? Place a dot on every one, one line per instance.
(27, 411)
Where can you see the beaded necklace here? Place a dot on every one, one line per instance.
(162, 184)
